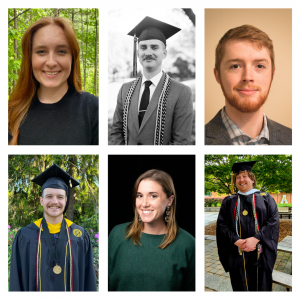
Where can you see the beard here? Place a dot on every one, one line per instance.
(246, 104)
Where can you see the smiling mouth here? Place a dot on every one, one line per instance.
(54, 207)
(147, 212)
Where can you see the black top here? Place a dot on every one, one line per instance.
(71, 121)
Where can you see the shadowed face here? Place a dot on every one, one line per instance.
(151, 54)
(245, 75)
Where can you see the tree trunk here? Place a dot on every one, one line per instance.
(71, 207)
(15, 41)
(55, 12)
(96, 39)
(73, 13)
(86, 49)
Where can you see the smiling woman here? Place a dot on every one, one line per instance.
(152, 253)
(47, 105)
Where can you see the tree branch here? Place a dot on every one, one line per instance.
(19, 15)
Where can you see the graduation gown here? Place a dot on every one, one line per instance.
(23, 262)
(232, 261)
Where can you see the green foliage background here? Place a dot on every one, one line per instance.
(24, 196)
(84, 19)
(273, 172)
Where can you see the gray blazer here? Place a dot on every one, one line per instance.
(216, 133)
(179, 116)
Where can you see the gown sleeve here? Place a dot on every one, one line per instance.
(226, 237)
(90, 277)
(15, 283)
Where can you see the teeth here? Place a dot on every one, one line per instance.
(146, 212)
(51, 73)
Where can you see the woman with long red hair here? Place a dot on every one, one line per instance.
(47, 105)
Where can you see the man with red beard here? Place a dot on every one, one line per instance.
(245, 69)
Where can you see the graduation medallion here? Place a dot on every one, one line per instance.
(245, 212)
(57, 269)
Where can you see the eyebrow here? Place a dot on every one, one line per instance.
(148, 193)
(241, 60)
(57, 46)
(149, 45)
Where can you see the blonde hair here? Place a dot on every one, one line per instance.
(26, 86)
(134, 229)
(245, 32)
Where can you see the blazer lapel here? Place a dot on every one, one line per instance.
(134, 110)
(153, 102)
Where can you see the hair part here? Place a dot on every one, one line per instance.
(248, 33)
(26, 86)
(134, 229)
(250, 175)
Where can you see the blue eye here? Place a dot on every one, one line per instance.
(260, 66)
(235, 66)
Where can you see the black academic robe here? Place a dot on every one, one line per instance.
(232, 261)
(23, 262)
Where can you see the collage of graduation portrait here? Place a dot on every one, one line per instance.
(210, 208)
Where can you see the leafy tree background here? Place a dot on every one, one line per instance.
(86, 25)
(180, 62)
(273, 172)
(24, 196)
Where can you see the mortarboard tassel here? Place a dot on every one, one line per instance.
(134, 72)
(232, 184)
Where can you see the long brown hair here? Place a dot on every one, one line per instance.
(134, 229)
(26, 86)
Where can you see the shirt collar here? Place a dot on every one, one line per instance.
(234, 131)
(155, 80)
(249, 192)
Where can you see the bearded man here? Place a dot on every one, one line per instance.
(245, 68)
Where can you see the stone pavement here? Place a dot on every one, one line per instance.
(217, 280)
(210, 217)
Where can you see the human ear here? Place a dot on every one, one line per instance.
(41, 200)
(217, 75)
(170, 200)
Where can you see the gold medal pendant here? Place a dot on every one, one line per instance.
(57, 269)
(245, 212)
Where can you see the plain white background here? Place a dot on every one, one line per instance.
(103, 149)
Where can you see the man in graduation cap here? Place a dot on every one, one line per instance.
(53, 253)
(247, 233)
(153, 109)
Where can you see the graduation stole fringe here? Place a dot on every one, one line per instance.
(161, 110)
(237, 214)
(38, 261)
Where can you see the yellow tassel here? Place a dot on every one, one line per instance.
(232, 183)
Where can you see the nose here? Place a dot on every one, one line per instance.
(51, 61)
(145, 201)
(248, 75)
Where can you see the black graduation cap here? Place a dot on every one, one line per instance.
(57, 178)
(151, 29)
(243, 166)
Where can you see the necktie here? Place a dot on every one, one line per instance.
(144, 101)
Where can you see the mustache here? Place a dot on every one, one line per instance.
(147, 57)
(248, 87)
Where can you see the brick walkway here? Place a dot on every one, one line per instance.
(216, 277)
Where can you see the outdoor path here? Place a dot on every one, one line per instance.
(210, 217)
(217, 280)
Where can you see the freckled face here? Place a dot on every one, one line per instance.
(51, 57)
(245, 75)
(243, 182)
(151, 54)
(151, 201)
